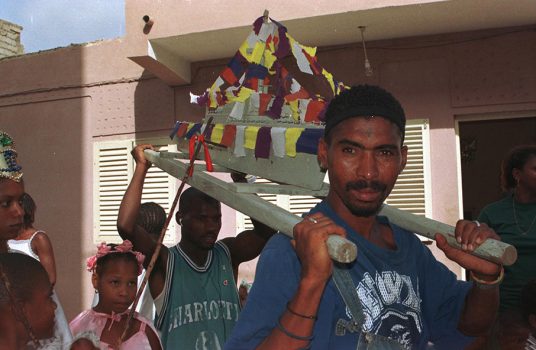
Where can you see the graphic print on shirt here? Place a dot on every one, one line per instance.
(392, 308)
(202, 312)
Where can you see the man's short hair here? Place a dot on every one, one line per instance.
(152, 218)
(365, 100)
(189, 196)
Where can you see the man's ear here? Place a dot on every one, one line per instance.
(403, 158)
(515, 174)
(322, 154)
(178, 217)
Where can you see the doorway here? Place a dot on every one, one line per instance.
(483, 146)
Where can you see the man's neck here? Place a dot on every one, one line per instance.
(198, 256)
(3, 246)
(366, 226)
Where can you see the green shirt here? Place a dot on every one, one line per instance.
(500, 217)
(200, 305)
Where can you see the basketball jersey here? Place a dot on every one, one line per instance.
(200, 304)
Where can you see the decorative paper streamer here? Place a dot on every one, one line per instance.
(329, 78)
(229, 134)
(266, 30)
(277, 105)
(195, 129)
(239, 150)
(269, 57)
(258, 52)
(257, 63)
(308, 141)
(313, 111)
(291, 137)
(301, 59)
(238, 111)
(250, 138)
(303, 104)
(295, 111)
(229, 76)
(175, 129)
(300, 94)
(262, 145)
(284, 47)
(264, 102)
(240, 95)
(183, 129)
(217, 133)
(254, 102)
(278, 141)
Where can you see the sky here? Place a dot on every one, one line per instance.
(49, 24)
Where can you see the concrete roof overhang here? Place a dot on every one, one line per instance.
(170, 58)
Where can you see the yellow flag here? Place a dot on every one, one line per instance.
(291, 137)
(217, 133)
(250, 136)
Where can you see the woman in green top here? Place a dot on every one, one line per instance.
(514, 219)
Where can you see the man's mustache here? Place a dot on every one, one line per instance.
(362, 184)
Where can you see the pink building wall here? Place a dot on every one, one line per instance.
(56, 104)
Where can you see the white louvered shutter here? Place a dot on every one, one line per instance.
(411, 190)
(243, 222)
(159, 187)
(112, 172)
(295, 204)
(113, 169)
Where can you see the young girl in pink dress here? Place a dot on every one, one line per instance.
(115, 271)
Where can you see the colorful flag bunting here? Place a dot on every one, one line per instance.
(263, 142)
(291, 137)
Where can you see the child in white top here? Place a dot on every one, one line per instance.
(35, 243)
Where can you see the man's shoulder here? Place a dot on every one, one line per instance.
(279, 241)
(405, 236)
(498, 205)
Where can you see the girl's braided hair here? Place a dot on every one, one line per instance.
(18, 276)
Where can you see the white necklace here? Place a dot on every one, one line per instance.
(517, 223)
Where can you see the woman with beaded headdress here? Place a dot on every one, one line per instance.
(514, 219)
(12, 224)
(11, 192)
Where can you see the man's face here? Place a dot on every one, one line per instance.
(11, 212)
(201, 223)
(364, 157)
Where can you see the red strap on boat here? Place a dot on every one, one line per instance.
(208, 160)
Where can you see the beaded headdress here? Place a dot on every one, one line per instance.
(9, 169)
(104, 249)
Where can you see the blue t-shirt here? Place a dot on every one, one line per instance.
(406, 294)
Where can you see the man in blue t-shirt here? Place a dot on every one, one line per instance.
(408, 299)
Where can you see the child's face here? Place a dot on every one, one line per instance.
(40, 310)
(11, 213)
(117, 286)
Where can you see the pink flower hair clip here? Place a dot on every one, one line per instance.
(104, 249)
